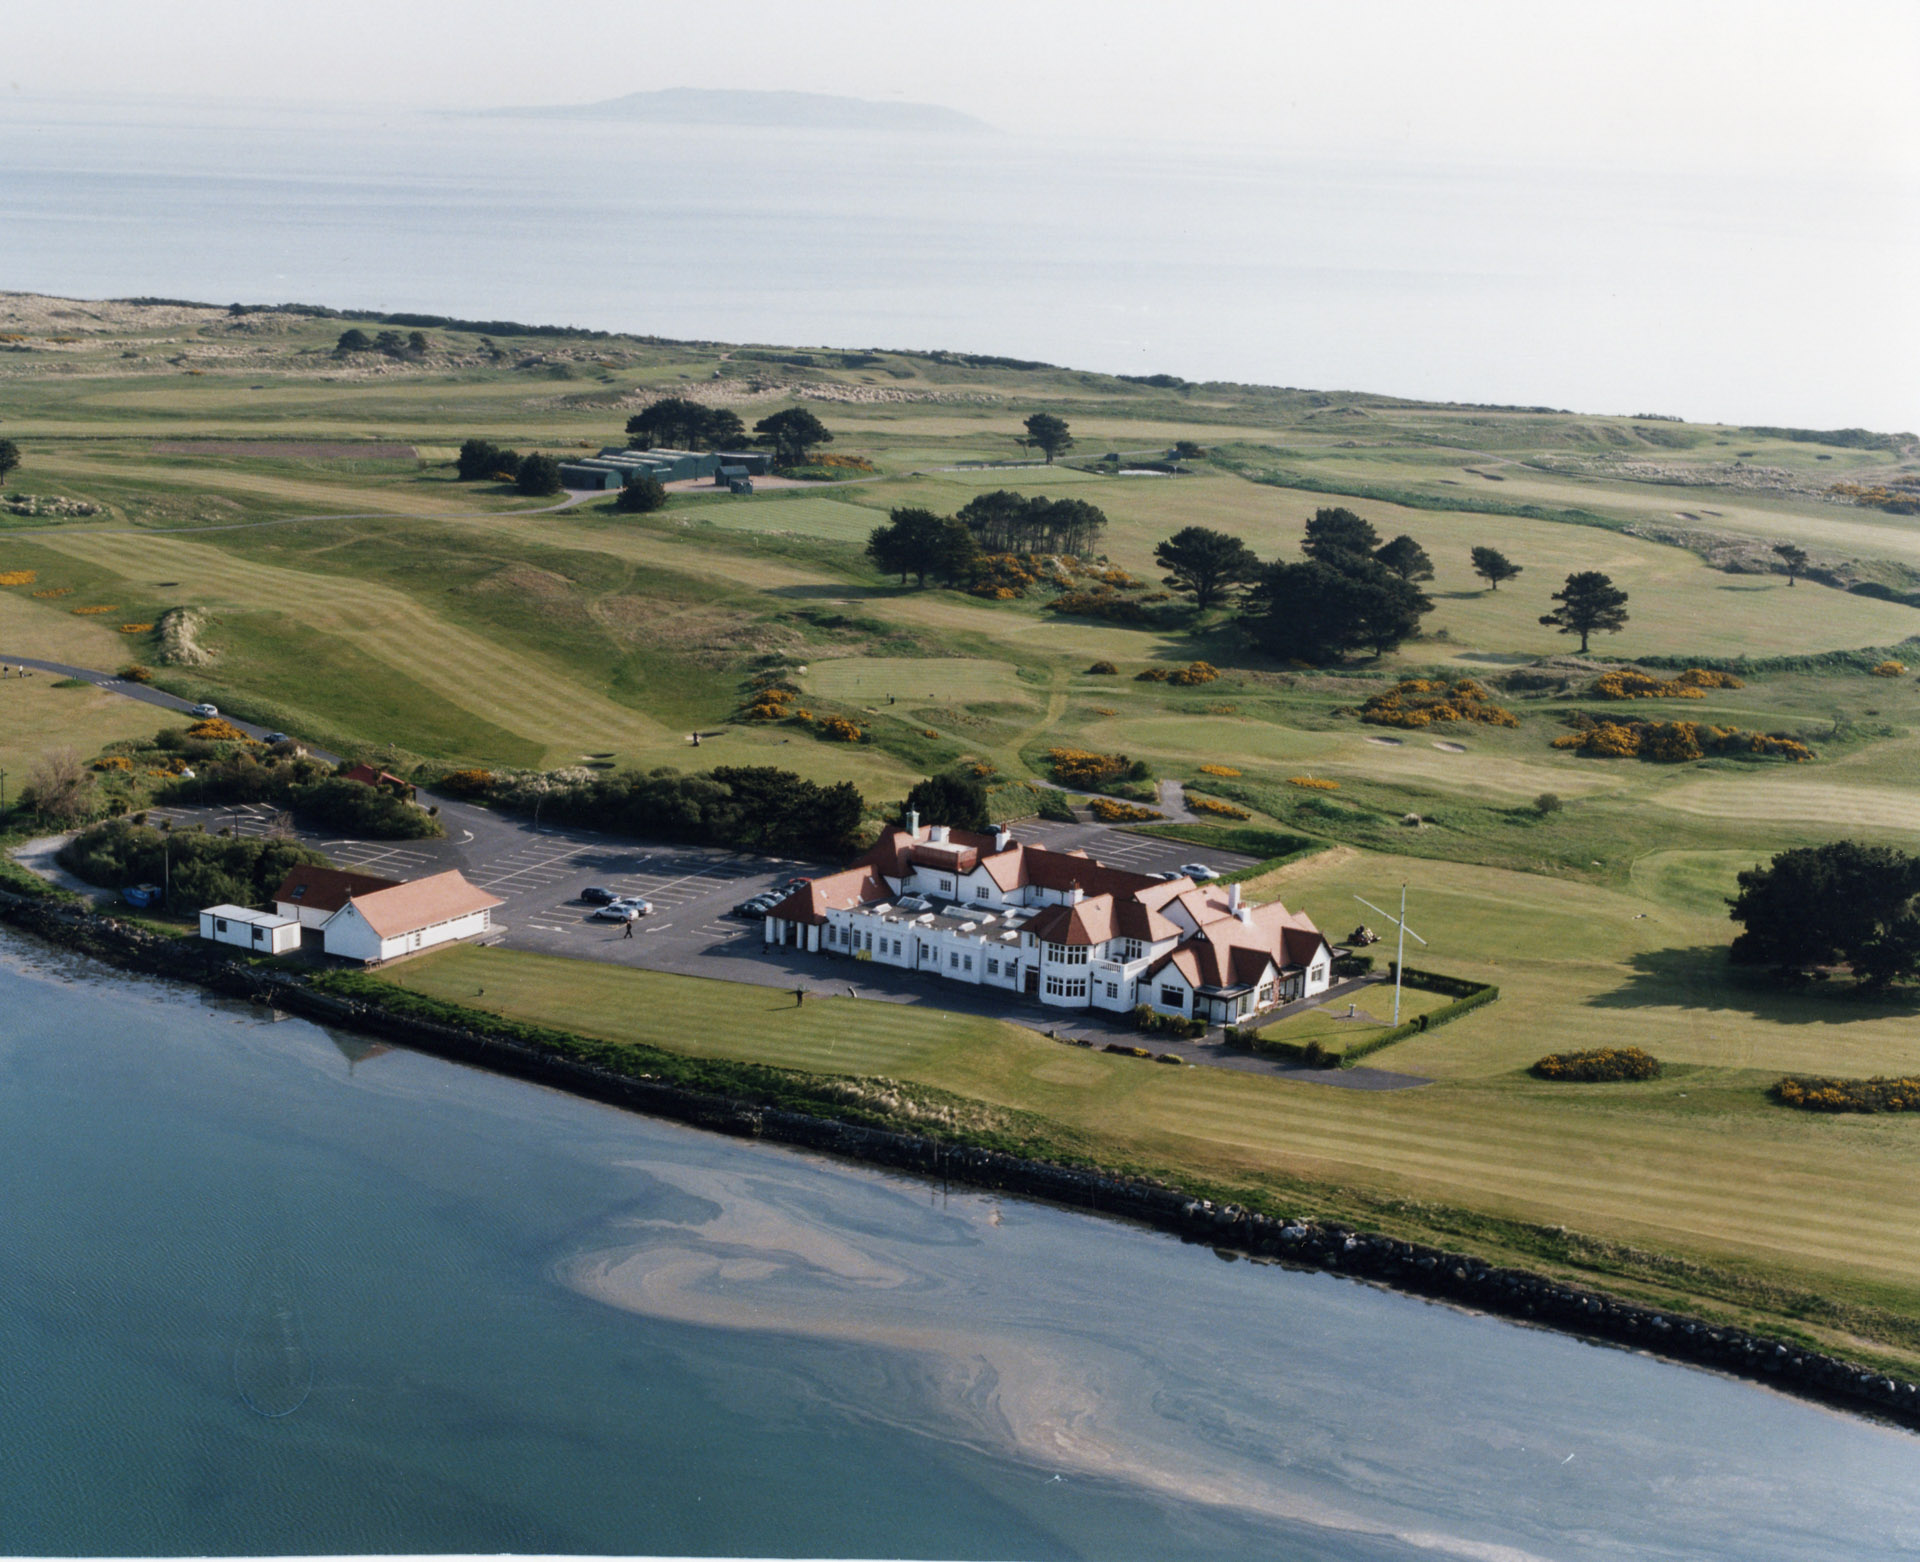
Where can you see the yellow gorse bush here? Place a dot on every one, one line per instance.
(1107, 811)
(1675, 742)
(84, 612)
(1081, 767)
(1219, 810)
(217, 729)
(1628, 684)
(1879, 1094)
(1313, 783)
(19, 577)
(1420, 702)
(1219, 770)
(1599, 1064)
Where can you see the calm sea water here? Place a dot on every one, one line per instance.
(1682, 290)
(264, 1290)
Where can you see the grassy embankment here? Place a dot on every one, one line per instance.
(460, 629)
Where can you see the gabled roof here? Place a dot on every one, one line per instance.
(855, 886)
(326, 889)
(1232, 951)
(406, 908)
(897, 850)
(1090, 921)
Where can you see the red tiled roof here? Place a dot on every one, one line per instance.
(1230, 952)
(406, 908)
(326, 888)
(856, 886)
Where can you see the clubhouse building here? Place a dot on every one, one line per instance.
(1055, 926)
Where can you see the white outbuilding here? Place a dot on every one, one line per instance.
(409, 917)
(267, 932)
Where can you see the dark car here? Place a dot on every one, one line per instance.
(274, 737)
(599, 895)
(793, 884)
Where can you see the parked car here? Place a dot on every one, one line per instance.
(638, 904)
(1199, 872)
(1163, 877)
(793, 884)
(599, 895)
(204, 710)
(617, 911)
(759, 906)
(274, 737)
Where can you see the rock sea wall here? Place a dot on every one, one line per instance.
(1408, 1267)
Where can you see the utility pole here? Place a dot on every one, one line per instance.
(3, 793)
(1400, 959)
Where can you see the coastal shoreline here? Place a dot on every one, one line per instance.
(1412, 1269)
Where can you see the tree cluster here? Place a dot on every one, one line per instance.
(197, 869)
(535, 475)
(1007, 522)
(919, 543)
(9, 456)
(954, 799)
(746, 807)
(1350, 593)
(792, 434)
(309, 789)
(676, 423)
(1841, 903)
(395, 344)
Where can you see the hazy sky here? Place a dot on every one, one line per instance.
(1821, 87)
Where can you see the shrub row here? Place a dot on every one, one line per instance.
(1597, 1065)
(1474, 996)
(1154, 1023)
(1810, 1093)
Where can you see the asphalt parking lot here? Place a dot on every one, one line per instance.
(539, 874)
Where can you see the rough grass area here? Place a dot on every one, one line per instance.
(460, 623)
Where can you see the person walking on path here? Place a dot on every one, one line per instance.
(799, 996)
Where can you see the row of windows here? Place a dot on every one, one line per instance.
(1066, 986)
(1067, 954)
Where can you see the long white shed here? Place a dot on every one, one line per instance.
(264, 931)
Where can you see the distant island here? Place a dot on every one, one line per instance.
(765, 110)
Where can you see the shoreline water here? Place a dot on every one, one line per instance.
(1411, 1269)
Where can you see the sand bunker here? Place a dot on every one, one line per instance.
(1451, 748)
(1386, 742)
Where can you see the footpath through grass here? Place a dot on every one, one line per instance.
(1692, 1191)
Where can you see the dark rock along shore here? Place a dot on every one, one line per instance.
(1403, 1266)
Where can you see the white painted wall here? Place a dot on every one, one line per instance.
(348, 935)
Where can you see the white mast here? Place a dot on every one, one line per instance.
(1400, 960)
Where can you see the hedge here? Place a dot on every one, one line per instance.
(1476, 995)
